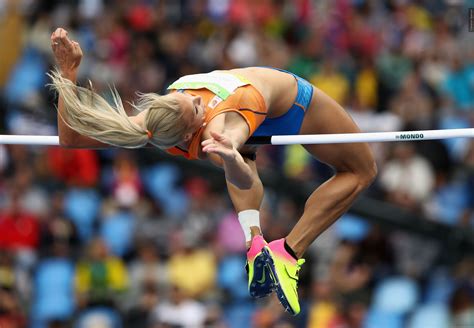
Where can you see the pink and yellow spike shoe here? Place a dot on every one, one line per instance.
(260, 280)
(284, 270)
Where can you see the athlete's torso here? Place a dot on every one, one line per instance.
(266, 93)
(277, 88)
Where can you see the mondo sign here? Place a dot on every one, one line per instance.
(410, 136)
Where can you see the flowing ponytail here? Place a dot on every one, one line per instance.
(90, 115)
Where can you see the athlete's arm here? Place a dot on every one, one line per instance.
(68, 55)
(222, 143)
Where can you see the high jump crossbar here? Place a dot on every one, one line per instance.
(292, 139)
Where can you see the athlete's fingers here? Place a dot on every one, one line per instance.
(63, 32)
(208, 142)
(57, 32)
(217, 136)
(56, 35)
(218, 147)
(63, 39)
(77, 48)
(209, 148)
(213, 148)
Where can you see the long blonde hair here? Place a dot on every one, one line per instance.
(89, 114)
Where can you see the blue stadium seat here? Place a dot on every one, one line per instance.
(451, 199)
(381, 319)
(439, 288)
(239, 315)
(432, 316)
(28, 76)
(397, 295)
(231, 276)
(161, 181)
(117, 231)
(54, 290)
(82, 206)
(351, 227)
(455, 146)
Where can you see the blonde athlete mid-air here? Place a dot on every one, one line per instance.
(211, 116)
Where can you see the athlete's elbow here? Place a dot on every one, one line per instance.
(246, 186)
(368, 174)
(68, 142)
(243, 184)
(65, 143)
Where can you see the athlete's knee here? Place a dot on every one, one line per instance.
(362, 168)
(367, 174)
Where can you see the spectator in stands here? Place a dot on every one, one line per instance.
(458, 84)
(74, 167)
(148, 271)
(141, 314)
(180, 310)
(20, 229)
(347, 275)
(413, 104)
(11, 314)
(125, 183)
(407, 178)
(7, 270)
(101, 279)
(332, 82)
(58, 229)
(323, 309)
(462, 307)
(187, 256)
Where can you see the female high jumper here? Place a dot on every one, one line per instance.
(211, 116)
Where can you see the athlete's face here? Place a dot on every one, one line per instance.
(193, 110)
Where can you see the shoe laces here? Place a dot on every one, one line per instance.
(299, 263)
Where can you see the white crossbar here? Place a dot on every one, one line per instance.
(292, 140)
(29, 140)
(372, 137)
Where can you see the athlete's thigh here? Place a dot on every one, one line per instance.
(326, 116)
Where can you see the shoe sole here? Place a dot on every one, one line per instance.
(276, 282)
(256, 289)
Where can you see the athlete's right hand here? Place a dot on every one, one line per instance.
(68, 53)
(221, 145)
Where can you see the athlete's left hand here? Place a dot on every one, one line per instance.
(67, 52)
(221, 145)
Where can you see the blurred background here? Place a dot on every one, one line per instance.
(117, 238)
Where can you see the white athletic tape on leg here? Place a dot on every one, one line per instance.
(247, 219)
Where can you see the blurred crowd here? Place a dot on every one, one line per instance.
(116, 238)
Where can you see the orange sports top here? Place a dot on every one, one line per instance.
(245, 100)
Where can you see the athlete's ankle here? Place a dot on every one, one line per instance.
(255, 231)
(290, 251)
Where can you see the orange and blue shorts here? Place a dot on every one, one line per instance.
(290, 122)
